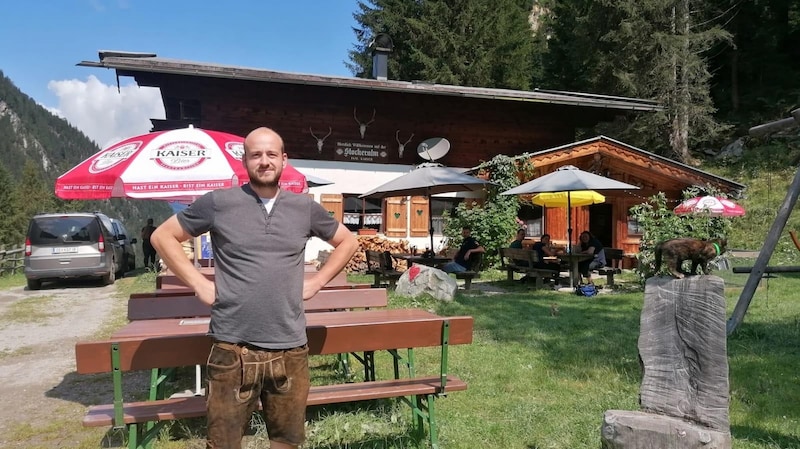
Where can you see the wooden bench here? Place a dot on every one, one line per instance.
(381, 265)
(187, 306)
(145, 419)
(613, 265)
(516, 260)
(475, 266)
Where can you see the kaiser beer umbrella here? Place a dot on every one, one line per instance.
(175, 165)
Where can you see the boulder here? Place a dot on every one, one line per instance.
(422, 279)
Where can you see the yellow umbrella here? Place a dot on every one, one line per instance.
(568, 199)
(574, 198)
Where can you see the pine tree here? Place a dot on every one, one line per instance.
(654, 49)
(33, 196)
(9, 236)
(456, 42)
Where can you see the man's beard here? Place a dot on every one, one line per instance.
(265, 184)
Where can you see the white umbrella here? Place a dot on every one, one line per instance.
(569, 179)
(426, 180)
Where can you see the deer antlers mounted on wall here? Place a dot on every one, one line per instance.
(401, 146)
(362, 127)
(321, 141)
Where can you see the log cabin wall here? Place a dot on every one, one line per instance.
(477, 128)
(311, 118)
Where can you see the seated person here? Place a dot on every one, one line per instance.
(590, 245)
(544, 249)
(517, 243)
(460, 262)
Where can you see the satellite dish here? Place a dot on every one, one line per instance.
(433, 148)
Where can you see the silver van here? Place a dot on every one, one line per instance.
(72, 245)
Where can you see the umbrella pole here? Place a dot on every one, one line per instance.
(569, 224)
(430, 220)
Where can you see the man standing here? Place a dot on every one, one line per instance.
(147, 247)
(260, 351)
(460, 262)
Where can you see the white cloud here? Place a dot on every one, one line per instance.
(105, 115)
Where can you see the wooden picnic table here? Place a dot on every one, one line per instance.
(317, 324)
(168, 280)
(422, 260)
(167, 343)
(574, 259)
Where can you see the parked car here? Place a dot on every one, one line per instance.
(72, 245)
(127, 243)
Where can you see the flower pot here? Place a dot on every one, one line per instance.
(367, 231)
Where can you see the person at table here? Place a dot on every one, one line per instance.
(544, 248)
(259, 352)
(517, 243)
(518, 239)
(589, 244)
(469, 246)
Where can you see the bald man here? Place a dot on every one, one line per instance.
(260, 352)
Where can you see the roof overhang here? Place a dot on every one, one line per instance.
(131, 64)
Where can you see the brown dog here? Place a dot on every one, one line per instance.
(700, 252)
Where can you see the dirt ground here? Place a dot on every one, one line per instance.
(38, 332)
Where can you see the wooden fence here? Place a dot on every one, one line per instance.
(12, 261)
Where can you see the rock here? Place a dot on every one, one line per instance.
(733, 150)
(422, 279)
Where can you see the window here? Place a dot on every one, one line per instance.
(634, 228)
(182, 109)
(361, 213)
(532, 217)
(438, 207)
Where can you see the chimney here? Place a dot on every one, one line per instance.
(382, 45)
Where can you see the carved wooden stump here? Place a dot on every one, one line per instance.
(683, 350)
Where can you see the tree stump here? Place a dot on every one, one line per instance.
(684, 393)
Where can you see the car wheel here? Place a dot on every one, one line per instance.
(34, 284)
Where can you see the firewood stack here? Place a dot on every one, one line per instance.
(358, 263)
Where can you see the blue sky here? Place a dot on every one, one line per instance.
(42, 41)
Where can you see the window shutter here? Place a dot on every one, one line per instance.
(332, 202)
(419, 216)
(396, 218)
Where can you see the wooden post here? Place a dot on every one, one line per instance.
(764, 255)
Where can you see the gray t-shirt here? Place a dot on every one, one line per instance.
(258, 262)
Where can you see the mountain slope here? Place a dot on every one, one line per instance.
(32, 134)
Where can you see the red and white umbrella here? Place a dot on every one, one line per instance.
(176, 165)
(712, 205)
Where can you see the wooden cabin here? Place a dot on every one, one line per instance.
(610, 221)
(360, 133)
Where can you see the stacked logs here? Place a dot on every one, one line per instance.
(358, 263)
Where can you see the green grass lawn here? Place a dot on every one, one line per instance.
(543, 380)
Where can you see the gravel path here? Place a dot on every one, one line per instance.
(38, 332)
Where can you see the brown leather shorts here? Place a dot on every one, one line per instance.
(241, 375)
